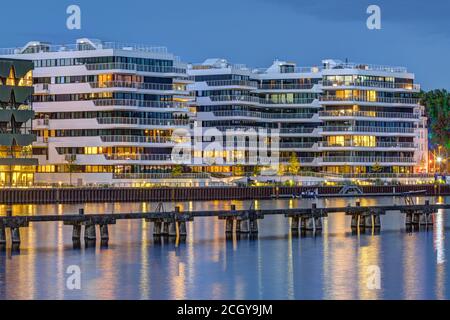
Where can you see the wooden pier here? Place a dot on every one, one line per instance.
(173, 224)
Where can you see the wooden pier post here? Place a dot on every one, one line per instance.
(244, 226)
(104, 233)
(165, 228)
(15, 235)
(157, 228)
(309, 224)
(182, 228)
(254, 225)
(89, 232)
(173, 229)
(295, 223)
(408, 219)
(368, 221)
(354, 223)
(76, 232)
(2, 233)
(377, 221)
(318, 223)
(229, 225)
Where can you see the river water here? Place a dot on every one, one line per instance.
(335, 264)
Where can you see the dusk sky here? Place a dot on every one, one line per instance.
(415, 34)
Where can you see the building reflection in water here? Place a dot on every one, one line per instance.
(277, 265)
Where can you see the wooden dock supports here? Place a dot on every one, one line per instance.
(172, 226)
(308, 221)
(246, 221)
(364, 218)
(419, 216)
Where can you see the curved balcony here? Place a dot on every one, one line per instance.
(304, 101)
(369, 160)
(134, 67)
(144, 121)
(232, 83)
(237, 98)
(128, 176)
(140, 103)
(352, 129)
(286, 86)
(297, 145)
(138, 157)
(369, 114)
(262, 115)
(138, 139)
(371, 84)
(384, 100)
(137, 86)
(349, 144)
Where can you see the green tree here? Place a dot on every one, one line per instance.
(377, 168)
(256, 170)
(238, 170)
(177, 170)
(437, 109)
(294, 165)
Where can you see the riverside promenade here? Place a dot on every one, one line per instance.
(100, 195)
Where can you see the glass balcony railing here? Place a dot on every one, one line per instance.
(368, 129)
(371, 84)
(286, 86)
(409, 101)
(262, 115)
(369, 114)
(349, 144)
(137, 139)
(134, 67)
(160, 176)
(140, 103)
(138, 157)
(370, 159)
(136, 85)
(144, 121)
(239, 83)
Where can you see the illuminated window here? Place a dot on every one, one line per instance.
(11, 80)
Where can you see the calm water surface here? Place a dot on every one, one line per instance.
(276, 265)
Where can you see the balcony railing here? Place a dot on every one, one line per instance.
(410, 101)
(139, 103)
(134, 67)
(144, 121)
(371, 84)
(296, 130)
(242, 98)
(286, 86)
(369, 114)
(371, 67)
(240, 83)
(367, 129)
(136, 85)
(349, 144)
(138, 157)
(294, 145)
(137, 139)
(294, 101)
(160, 176)
(262, 115)
(370, 159)
(387, 175)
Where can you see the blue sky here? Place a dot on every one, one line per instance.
(414, 33)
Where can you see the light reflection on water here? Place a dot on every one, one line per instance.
(277, 265)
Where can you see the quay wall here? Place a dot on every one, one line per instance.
(86, 195)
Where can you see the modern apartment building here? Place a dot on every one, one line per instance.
(372, 120)
(105, 112)
(339, 119)
(17, 166)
